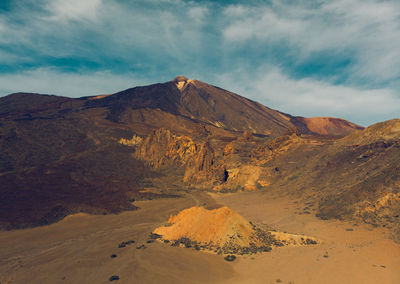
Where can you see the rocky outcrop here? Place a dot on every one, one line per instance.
(202, 169)
(163, 148)
(247, 177)
(382, 131)
(217, 165)
(134, 141)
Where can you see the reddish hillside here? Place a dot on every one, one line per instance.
(328, 126)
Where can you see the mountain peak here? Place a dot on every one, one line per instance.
(180, 78)
(181, 82)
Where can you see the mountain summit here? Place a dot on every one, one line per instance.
(180, 103)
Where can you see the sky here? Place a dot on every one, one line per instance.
(337, 58)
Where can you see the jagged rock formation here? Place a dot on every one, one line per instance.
(214, 164)
(202, 167)
(132, 142)
(224, 231)
(162, 148)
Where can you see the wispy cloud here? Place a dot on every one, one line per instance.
(61, 10)
(42, 80)
(98, 29)
(367, 32)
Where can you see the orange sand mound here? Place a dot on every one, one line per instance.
(203, 226)
(223, 227)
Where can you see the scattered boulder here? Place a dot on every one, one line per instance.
(230, 257)
(155, 236)
(114, 278)
(310, 242)
(124, 244)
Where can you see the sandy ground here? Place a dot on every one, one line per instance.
(78, 249)
(349, 253)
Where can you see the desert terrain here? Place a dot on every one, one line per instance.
(78, 249)
(199, 142)
(184, 182)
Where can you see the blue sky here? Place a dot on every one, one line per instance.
(312, 58)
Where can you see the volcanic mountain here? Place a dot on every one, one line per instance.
(62, 155)
(183, 102)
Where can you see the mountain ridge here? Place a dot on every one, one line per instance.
(193, 100)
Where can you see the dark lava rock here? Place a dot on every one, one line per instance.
(186, 242)
(265, 249)
(310, 242)
(141, 247)
(113, 256)
(155, 236)
(124, 244)
(114, 278)
(230, 257)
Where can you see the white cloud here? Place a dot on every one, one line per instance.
(49, 81)
(2, 27)
(198, 13)
(61, 10)
(307, 97)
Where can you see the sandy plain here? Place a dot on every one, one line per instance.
(78, 249)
